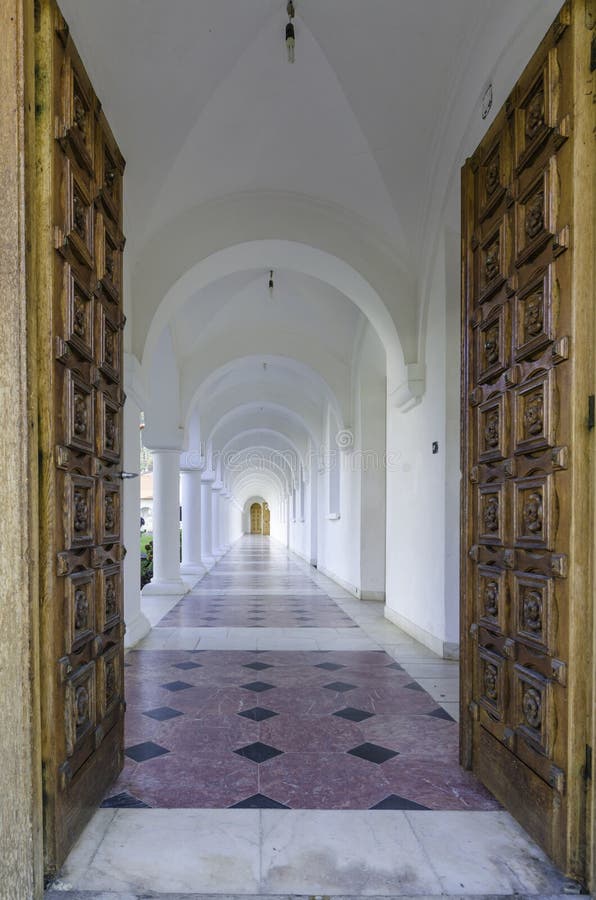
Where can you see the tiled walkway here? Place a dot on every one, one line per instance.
(283, 738)
(279, 729)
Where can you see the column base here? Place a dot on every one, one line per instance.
(136, 630)
(209, 562)
(197, 569)
(163, 588)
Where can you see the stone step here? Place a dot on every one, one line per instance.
(65, 894)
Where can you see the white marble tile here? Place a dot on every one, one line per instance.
(360, 853)
(81, 855)
(155, 608)
(452, 708)
(483, 852)
(441, 689)
(170, 850)
(432, 669)
(170, 639)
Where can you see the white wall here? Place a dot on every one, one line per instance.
(416, 488)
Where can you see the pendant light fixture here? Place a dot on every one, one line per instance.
(271, 284)
(290, 33)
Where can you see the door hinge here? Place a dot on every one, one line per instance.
(591, 412)
(588, 763)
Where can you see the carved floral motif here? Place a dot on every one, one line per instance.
(491, 428)
(532, 707)
(108, 349)
(81, 705)
(79, 325)
(490, 681)
(535, 114)
(491, 514)
(81, 423)
(491, 597)
(109, 513)
(81, 604)
(492, 263)
(492, 176)
(80, 115)
(111, 598)
(81, 512)
(110, 261)
(491, 344)
(534, 315)
(110, 430)
(532, 513)
(534, 414)
(535, 215)
(532, 611)
(79, 215)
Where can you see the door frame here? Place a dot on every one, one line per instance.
(20, 735)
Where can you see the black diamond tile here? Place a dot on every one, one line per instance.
(163, 713)
(257, 666)
(394, 801)
(258, 686)
(353, 715)
(395, 666)
(258, 713)
(373, 753)
(331, 667)
(123, 801)
(258, 801)
(414, 686)
(441, 713)
(146, 750)
(176, 685)
(258, 752)
(339, 686)
(187, 665)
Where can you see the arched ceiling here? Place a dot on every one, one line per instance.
(330, 170)
(204, 103)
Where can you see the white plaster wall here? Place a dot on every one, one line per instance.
(369, 464)
(416, 494)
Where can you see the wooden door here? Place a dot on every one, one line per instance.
(256, 514)
(266, 520)
(79, 259)
(527, 326)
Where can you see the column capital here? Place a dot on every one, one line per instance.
(217, 486)
(164, 450)
(192, 461)
(207, 477)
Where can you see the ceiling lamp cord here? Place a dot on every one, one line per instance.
(290, 33)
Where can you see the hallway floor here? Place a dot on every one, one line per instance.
(284, 738)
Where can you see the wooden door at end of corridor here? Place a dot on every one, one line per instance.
(266, 520)
(256, 519)
(79, 245)
(527, 338)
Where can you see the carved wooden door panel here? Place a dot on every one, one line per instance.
(255, 518)
(526, 331)
(80, 244)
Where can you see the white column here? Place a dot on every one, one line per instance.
(190, 495)
(216, 547)
(137, 624)
(206, 523)
(225, 520)
(166, 525)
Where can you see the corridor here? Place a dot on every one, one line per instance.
(282, 737)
